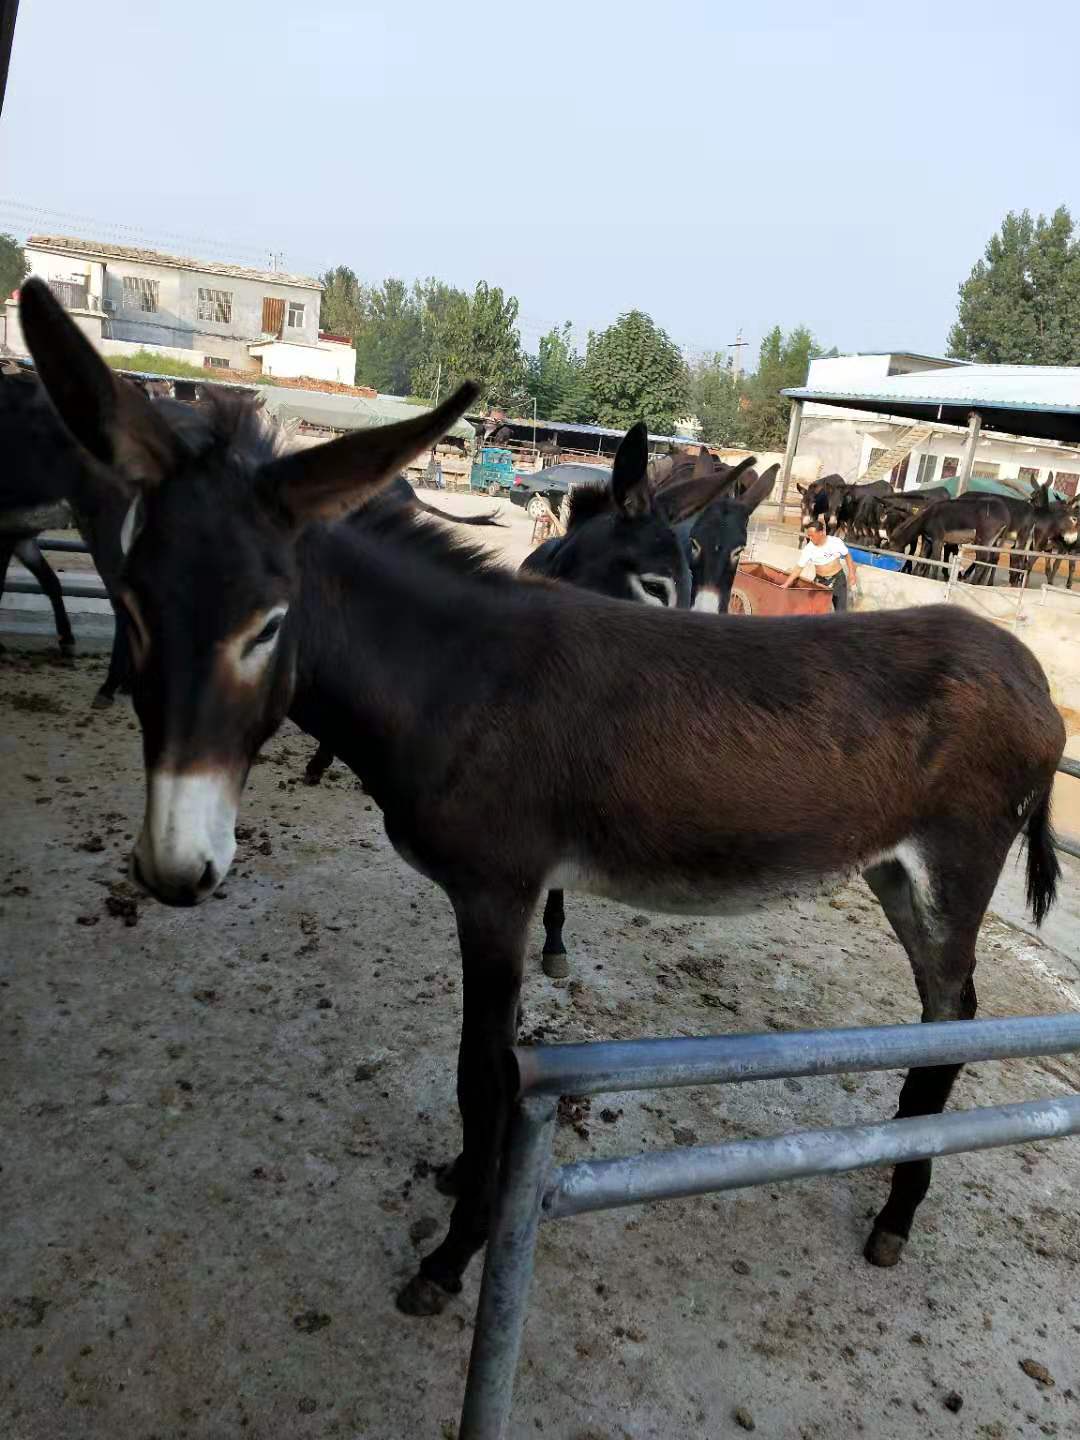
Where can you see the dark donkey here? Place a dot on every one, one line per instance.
(689, 790)
(46, 482)
(947, 524)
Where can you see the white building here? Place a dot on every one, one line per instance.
(921, 447)
(219, 316)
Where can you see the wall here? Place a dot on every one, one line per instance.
(325, 361)
(176, 321)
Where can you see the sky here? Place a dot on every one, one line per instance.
(721, 167)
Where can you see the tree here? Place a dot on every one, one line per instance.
(342, 301)
(556, 378)
(471, 337)
(635, 371)
(782, 365)
(388, 338)
(13, 266)
(716, 397)
(1021, 302)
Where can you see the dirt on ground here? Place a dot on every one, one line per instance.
(218, 1132)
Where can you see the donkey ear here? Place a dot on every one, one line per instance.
(704, 465)
(630, 472)
(106, 414)
(759, 489)
(328, 481)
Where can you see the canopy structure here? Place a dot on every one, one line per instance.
(1036, 402)
(347, 412)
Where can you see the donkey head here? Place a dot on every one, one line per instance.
(716, 541)
(209, 576)
(616, 542)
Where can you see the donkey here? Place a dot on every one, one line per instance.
(687, 791)
(968, 520)
(47, 481)
(715, 540)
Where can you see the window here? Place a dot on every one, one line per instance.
(296, 315)
(875, 455)
(1029, 475)
(985, 471)
(949, 466)
(1066, 481)
(215, 362)
(140, 294)
(927, 467)
(273, 315)
(215, 306)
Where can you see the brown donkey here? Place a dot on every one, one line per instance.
(695, 784)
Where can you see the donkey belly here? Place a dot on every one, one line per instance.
(678, 894)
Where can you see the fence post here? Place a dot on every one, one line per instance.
(508, 1268)
(954, 571)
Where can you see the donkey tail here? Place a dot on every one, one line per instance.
(1043, 868)
(491, 518)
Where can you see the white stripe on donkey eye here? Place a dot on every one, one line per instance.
(640, 585)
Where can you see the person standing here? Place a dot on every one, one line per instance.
(826, 559)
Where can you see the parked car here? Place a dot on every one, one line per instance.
(529, 488)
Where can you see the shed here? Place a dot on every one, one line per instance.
(1037, 402)
(347, 412)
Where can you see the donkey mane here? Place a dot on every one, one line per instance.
(589, 501)
(222, 420)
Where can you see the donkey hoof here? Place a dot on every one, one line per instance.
(313, 777)
(421, 1296)
(448, 1178)
(884, 1249)
(101, 701)
(555, 964)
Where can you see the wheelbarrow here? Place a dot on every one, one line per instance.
(758, 590)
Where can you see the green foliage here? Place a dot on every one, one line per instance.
(151, 363)
(471, 337)
(1021, 302)
(715, 396)
(556, 378)
(342, 302)
(388, 338)
(13, 266)
(635, 371)
(783, 361)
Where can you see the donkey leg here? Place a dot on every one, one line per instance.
(27, 551)
(7, 549)
(554, 961)
(492, 954)
(119, 674)
(941, 949)
(319, 763)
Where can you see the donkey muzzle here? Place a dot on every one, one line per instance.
(188, 836)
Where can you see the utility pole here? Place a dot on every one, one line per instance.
(738, 345)
(438, 382)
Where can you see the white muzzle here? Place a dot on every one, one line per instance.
(188, 839)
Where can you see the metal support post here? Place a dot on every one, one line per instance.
(968, 460)
(794, 426)
(508, 1268)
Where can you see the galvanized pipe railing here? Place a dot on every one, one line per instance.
(532, 1189)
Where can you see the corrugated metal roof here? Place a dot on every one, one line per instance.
(1041, 401)
(97, 249)
(568, 427)
(346, 412)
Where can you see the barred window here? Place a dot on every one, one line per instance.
(140, 294)
(215, 362)
(216, 306)
(1065, 482)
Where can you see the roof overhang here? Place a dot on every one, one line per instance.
(1027, 418)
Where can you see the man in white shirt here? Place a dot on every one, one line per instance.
(826, 559)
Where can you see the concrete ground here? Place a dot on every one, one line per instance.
(217, 1129)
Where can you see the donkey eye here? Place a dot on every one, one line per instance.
(269, 630)
(656, 590)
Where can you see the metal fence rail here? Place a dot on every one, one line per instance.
(532, 1189)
